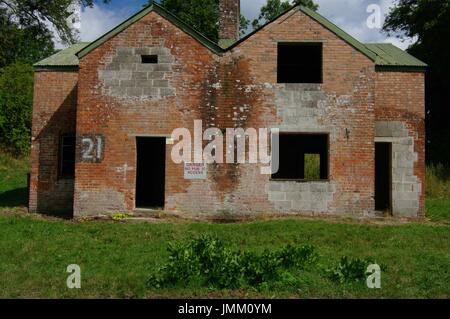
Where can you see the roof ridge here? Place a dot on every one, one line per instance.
(370, 50)
(152, 6)
(341, 33)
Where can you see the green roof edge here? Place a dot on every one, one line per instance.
(339, 32)
(322, 21)
(139, 15)
(63, 59)
(402, 58)
(381, 61)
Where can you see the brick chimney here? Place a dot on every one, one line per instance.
(229, 21)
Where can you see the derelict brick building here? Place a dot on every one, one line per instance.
(104, 111)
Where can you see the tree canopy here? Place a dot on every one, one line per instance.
(202, 15)
(274, 8)
(26, 36)
(16, 96)
(44, 15)
(428, 21)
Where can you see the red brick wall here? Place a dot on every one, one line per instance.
(247, 76)
(400, 96)
(54, 110)
(347, 73)
(238, 89)
(121, 119)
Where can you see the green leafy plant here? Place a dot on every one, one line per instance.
(297, 256)
(215, 264)
(16, 99)
(119, 216)
(349, 270)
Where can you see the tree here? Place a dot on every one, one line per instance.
(202, 15)
(16, 98)
(23, 44)
(428, 21)
(274, 8)
(43, 15)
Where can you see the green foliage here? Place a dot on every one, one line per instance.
(16, 98)
(202, 15)
(274, 8)
(428, 21)
(312, 166)
(438, 210)
(117, 258)
(43, 15)
(349, 270)
(438, 181)
(13, 180)
(209, 261)
(119, 216)
(29, 44)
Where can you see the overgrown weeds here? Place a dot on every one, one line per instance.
(209, 262)
(438, 181)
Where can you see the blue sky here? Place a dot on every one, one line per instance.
(350, 15)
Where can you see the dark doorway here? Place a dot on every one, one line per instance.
(151, 172)
(383, 176)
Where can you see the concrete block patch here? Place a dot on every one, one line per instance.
(126, 75)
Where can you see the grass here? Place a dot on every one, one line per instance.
(13, 181)
(438, 210)
(438, 181)
(117, 258)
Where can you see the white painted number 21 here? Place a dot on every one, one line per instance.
(89, 145)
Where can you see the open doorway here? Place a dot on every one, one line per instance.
(383, 177)
(151, 172)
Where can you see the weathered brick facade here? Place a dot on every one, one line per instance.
(116, 98)
(54, 114)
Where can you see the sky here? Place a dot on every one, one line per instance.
(350, 15)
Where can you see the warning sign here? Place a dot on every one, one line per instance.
(195, 171)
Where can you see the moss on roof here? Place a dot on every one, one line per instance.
(64, 58)
(383, 54)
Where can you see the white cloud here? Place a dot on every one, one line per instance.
(250, 8)
(350, 15)
(97, 21)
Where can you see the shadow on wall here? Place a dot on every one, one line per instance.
(55, 196)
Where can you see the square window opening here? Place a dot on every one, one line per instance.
(67, 156)
(300, 63)
(149, 59)
(303, 157)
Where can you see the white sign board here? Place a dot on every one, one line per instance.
(195, 171)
